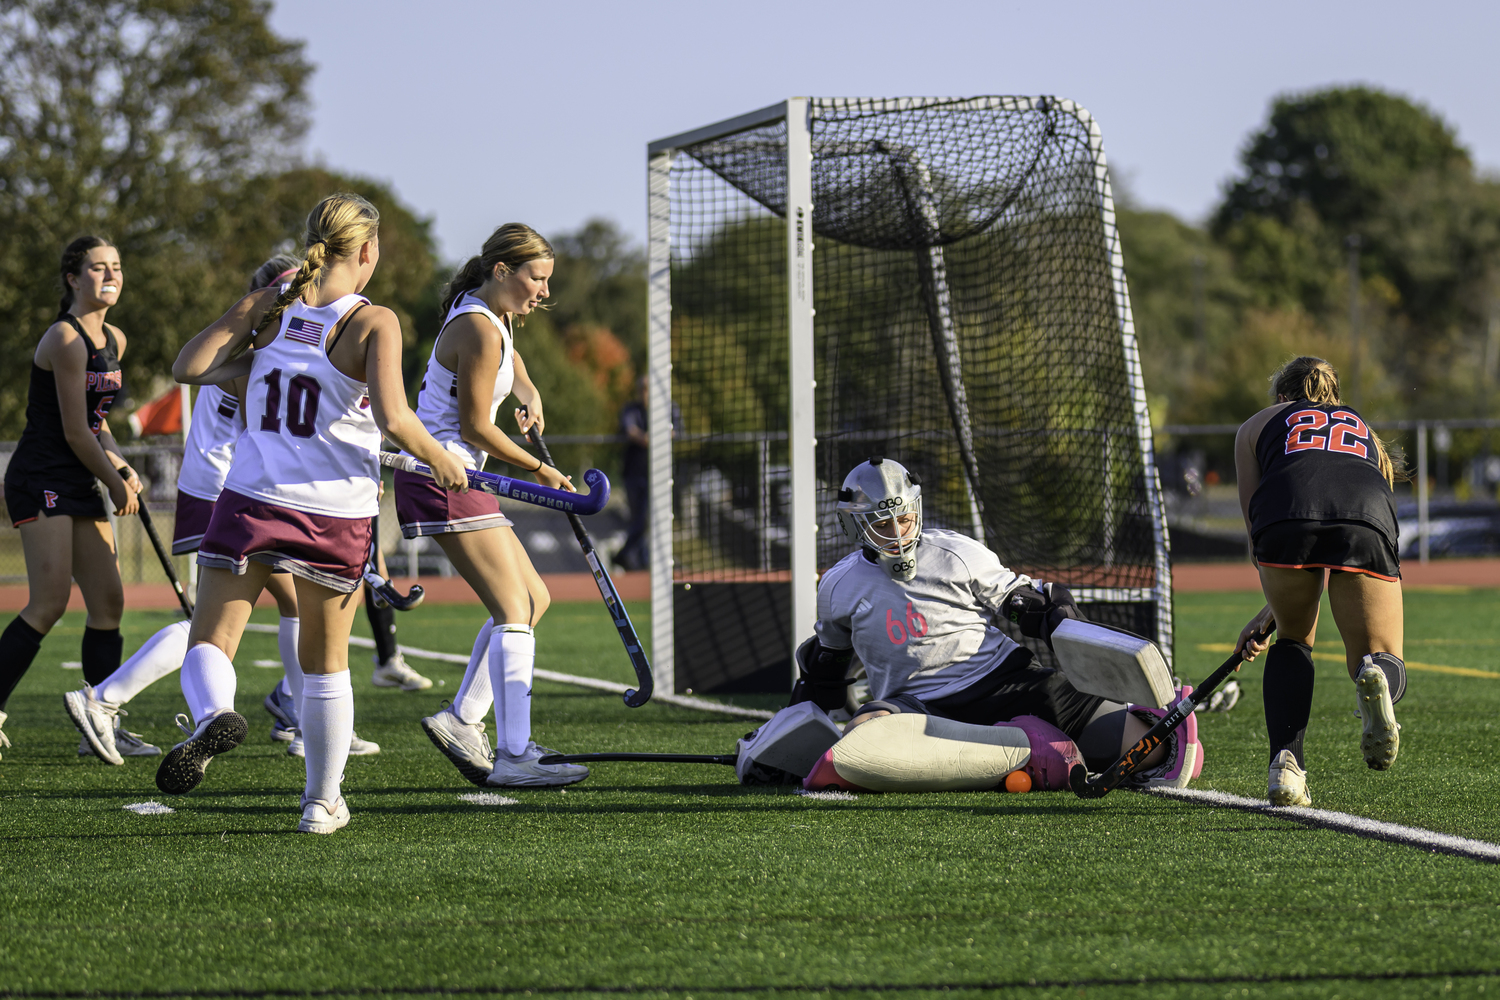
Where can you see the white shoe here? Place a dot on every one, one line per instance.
(1287, 785)
(96, 720)
(395, 673)
(283, 713)
(523, 771)
(182, 768)
(127, 743)
(1380, 737)
(466, 745)
(320, 817)
(357, 746)
(4, 740)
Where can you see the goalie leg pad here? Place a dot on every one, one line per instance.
(1053, 754)
(921, 753)
(787, 748)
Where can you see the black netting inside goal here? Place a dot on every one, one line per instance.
(968, 325)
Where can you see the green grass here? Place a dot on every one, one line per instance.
(673, 880)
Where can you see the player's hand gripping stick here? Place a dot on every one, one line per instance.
(1087, 786)
(166, 559)
(591, 502)
(638, 696)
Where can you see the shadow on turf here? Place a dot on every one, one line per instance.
(757, 989)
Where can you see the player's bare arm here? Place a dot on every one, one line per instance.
(217, 353)
(378, 336)
(529, 397)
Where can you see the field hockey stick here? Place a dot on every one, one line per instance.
(1099, 785)
(591, 502)
(166, 559)
(634, 698)
(383, 590)
(658, 758)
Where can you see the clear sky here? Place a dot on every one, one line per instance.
(485, 111)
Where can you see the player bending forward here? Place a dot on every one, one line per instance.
(919, 607)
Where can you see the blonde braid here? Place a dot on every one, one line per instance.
(337, 227)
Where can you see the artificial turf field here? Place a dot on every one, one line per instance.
(674, 880)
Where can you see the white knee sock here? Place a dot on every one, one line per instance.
(472, 703)
(512, 660)
(327, 716)
(161, 655)
(286, 641)
(208, 681)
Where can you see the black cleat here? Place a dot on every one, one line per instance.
(182, 768)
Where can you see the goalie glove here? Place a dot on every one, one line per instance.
(822, 675)
(1037, 611)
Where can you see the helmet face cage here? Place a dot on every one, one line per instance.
(880, 505)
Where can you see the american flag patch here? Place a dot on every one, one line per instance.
(305, 331)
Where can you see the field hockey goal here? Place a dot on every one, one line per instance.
(934, 280)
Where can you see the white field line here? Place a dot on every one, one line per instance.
(680, 700)
(1360, 826)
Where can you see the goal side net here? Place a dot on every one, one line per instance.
(934, 280)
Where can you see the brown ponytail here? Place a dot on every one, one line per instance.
(1316, 381)
(510, 246)
(73, 256)
(336, 228)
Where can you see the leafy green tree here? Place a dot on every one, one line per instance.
(137, 120)
(600, 280)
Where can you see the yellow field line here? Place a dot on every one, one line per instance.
(1431, 668)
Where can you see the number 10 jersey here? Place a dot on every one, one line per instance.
(310, 441)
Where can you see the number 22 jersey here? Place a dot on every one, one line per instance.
(1318, 462)
(310, 441)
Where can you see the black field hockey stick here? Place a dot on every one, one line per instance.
(638, 696)
(588, 503)
(1096, 786)
(166, 559)
(383, 590)
(656, 758)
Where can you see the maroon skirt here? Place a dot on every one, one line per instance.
(425, 508)
(193, 515)
(329, 551)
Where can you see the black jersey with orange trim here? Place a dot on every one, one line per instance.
(1318, 462)
(43, 450)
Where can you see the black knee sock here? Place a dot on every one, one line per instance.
(383, 625)
(101, 653)
(1288, 696)
(18, 647)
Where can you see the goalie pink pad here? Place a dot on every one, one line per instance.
(1184, 749)
(1053, 754)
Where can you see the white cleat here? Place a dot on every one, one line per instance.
(1380, 738)
(357, 746)
(1287, 785)
(465, 744)
(96, 720)
(4, 740)
(395, 673)
(318, 816)
(127, 743)
(524, 771)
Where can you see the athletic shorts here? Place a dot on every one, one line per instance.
(193, 515)
(329, 551)
(29, 497)
(1019, 686)
(425, 508)
(1344, 546)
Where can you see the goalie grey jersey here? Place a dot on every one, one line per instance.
(928, 637)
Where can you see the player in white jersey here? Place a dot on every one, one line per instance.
(324, 383)
(918, 607)
(474, 366)
(207, 454)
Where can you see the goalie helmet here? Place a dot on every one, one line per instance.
(880, 505)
